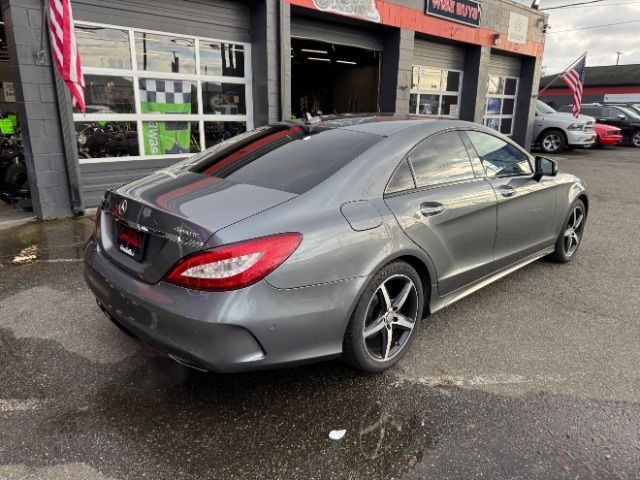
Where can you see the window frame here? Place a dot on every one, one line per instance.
(469, 144)
(138, 118)
(502, 96)
(440, 93)
(417, 188)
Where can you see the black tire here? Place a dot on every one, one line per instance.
(562, 254)
(635, 138)
(371, 312)
(597, 143)
(16, 181)
(552, 141)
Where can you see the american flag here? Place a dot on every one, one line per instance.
(574, 78)
(64, 49)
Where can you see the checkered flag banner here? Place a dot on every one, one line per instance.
(165, 91)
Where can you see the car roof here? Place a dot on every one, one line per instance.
(381, 124)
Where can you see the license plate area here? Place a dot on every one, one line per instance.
(130, 241)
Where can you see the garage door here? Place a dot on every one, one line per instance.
(436, 84)
(502, 91)
(124, 134)
(504, 65)
(312, 29)
(439, 55)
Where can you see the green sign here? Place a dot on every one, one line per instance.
(7, 127)
(168, 97)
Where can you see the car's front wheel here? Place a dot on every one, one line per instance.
(570, 237)
(552, 141)
(385, 319)
(635, 138)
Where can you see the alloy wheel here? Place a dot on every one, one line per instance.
(552, 142)
(636, 139)
(390, 318)
(573, 231)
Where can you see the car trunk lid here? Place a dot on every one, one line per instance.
(149, 224)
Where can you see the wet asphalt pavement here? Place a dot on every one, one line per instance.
(536, 376)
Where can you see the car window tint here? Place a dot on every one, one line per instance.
(439, 159)
(286, 158)
(402, 179)
(498, 157)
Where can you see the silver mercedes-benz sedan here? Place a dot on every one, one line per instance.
(298, 242)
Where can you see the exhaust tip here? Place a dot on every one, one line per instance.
(186, 363)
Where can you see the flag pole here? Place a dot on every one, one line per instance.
(559, 75)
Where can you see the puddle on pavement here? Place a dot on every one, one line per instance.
(57, 239)
(149, 416)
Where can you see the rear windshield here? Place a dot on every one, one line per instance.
(287, 158)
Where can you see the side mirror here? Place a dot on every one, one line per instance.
(622, 117)
(545, 167)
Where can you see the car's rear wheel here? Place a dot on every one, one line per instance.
(570, 237)
(552, 141)
(385, 320)
(635, 138)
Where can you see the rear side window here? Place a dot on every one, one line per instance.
(440, 159)
(402, 179)
(498, 157)
(289, 159)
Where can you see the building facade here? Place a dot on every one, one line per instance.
(604, 84)
(169, 78)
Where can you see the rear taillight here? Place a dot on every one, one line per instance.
(234, 266)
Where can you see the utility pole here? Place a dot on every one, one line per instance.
(618, 59)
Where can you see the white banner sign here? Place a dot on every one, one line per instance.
(518, 27)
(622, 97)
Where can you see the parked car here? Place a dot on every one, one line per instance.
(298, 242)
(554, 131)
(607, 135)
(621, 116)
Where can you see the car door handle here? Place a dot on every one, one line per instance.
(429, 209)
(507, 190)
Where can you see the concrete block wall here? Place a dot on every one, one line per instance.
(37, 109)
(395, 75)
(265, 61)
(495, 16)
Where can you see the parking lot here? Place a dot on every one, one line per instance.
(535, 376)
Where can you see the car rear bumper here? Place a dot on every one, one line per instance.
(610, 140)
(580, 138)
(253, 328)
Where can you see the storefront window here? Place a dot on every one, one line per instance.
(198, 96)
(216, 132)
(224, 59)
(223, 98)
(109, 94)
(435, 91)
(160, 53)
(103, 47)
(500, 106)
(102, 139)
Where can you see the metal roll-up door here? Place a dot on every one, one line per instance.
(504, 65)
(312, 29)
(439, 55)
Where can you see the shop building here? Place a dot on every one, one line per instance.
(165, 79)
(604, 84)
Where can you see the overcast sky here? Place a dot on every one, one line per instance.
(599, 43)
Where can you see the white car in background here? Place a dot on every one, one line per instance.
(554, 131)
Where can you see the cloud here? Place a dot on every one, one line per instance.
(600, 44)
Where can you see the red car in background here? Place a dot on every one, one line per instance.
(606, 135)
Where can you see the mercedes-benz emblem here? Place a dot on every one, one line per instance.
(122, 207)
